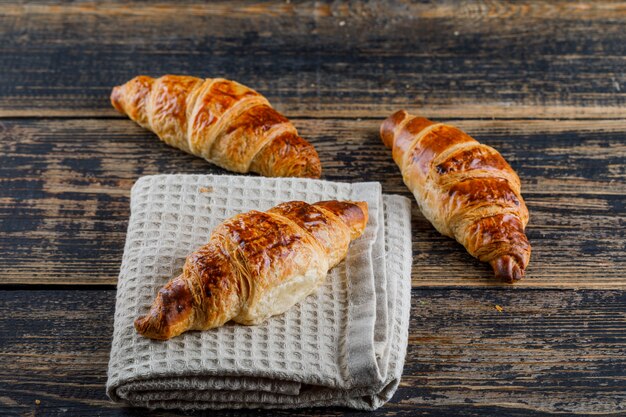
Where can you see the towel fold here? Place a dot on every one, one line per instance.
(342, 346)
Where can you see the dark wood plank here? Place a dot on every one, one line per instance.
(547, 351)
(64, 187)
(325, 59)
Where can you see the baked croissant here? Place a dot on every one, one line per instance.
(464, 188)
(256, 265)
(219, 120)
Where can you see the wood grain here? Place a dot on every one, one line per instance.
(64, 196)
(542, 81)
(325, 59)
(547, 351)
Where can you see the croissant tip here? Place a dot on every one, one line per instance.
(308, 170)
(313, 166)
(171, 313)
(363, 206)
(507, 269)
(141, 325)
(116, 98)
(145, 326)
(313, 170)
(388, 127)
(289, 155)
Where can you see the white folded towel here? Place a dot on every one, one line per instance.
(342, 346)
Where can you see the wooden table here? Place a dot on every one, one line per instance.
(545, 83)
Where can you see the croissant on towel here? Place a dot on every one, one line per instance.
(465, 189)
(219, 120)
(256, 265)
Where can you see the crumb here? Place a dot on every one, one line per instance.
(456, 33)
(342, 23)
(206, 189)
(500, 309)
(37, 402)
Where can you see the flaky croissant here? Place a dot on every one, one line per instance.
(219, 120)
(256, 265)
(465, 189)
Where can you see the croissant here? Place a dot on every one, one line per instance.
(256, 265)
(464, 188)
(219, 120)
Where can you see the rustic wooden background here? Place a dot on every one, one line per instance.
(543, 82)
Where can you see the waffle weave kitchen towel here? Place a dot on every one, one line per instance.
(344, 345)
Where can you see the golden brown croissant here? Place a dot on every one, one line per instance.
(219, 120)
(465, 189)
(256, 265)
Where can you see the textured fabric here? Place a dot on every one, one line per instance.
(343, 345)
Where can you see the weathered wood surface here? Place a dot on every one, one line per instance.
(542, 81)
(64, 196)
(325, 59)
(547, 351)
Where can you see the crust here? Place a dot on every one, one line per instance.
(219, 120)
(255, 265)
(465, 189)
